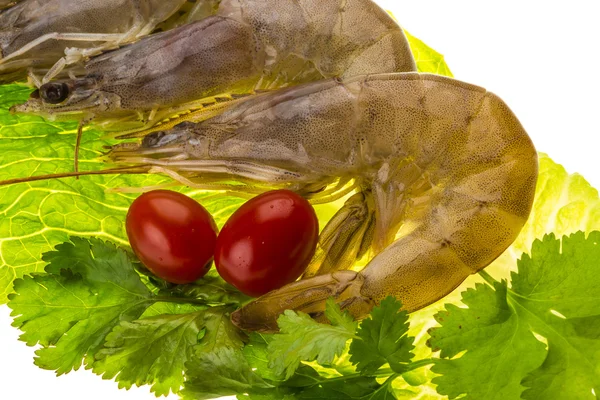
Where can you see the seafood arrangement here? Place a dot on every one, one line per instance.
(444, 161)
(316, 97)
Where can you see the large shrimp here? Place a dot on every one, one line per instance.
(34, 34)
(236, 47)
(443, 174)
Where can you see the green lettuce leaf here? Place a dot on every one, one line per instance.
(36, 216)
(538, 340)
(427, 59)
(39, 215)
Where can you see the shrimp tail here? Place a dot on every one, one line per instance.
(308, 296)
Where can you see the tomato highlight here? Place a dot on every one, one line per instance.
(172, 234)
(267, 243)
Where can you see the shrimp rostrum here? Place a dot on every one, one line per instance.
(443, 176)
(43, 36)
(235, 48)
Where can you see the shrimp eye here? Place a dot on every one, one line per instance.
(54, 93)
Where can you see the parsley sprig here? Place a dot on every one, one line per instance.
(536, 338)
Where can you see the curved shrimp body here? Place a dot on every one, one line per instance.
(443, 171)
(248, 45)
(34, 34)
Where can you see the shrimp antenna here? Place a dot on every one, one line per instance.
(77, 146)
(113, 171)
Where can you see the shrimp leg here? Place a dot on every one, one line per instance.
(83, 37)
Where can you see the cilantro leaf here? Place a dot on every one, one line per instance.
(71, 309)
(96, 261)
(223, 372)
(212, 289)
(382, 339)
(555, 296)
(557, 289)
(150, 351)
(501, 349)
(256, 354)
(359, 388)
(92, 306)
(564, 204)
(301, 338)
(219, 331)
(246, 373)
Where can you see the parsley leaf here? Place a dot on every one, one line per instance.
(358, 388)
(501, 349)
(71, 309)
(382, 339)
(554, 296)
(92, 306)
(150, 351)
(301, 338)
(212, 289)
(223, 372)
(564, 204)
(39, 215)
(219, 331)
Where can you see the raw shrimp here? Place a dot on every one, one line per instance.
(442, 171)
(35, 34)
(246, 46)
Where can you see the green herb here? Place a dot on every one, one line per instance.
(71, 309)
(541, 334)
(303, 339)
(92, 307)
(256, 372)
(564, 204)
(150, 351)
(382, 339)
(222, 373)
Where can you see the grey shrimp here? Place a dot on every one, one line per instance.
(235, 48)
(443, 176)
(43, 36)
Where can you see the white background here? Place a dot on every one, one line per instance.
(542, 58)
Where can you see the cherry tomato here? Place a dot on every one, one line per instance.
(172, 235)
(267, 243)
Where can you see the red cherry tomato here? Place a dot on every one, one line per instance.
(172, 235)
(267, 243)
